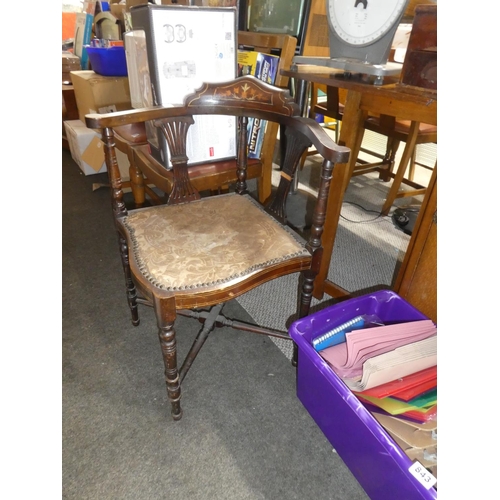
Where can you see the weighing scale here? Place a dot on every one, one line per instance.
(360, 37)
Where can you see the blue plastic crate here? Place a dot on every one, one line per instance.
(108, 61)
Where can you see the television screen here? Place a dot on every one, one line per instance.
(274, 16)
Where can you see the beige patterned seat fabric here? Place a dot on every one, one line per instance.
(209, 241)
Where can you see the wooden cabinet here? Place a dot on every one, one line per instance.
(417, 278)
(69, 110)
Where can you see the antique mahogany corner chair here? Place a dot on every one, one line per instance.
(195, 253)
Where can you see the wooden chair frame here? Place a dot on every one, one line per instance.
(243, 98)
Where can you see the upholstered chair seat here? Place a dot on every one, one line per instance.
(208, 242)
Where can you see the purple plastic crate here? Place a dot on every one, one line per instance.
(377, 462)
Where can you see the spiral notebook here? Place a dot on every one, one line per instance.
(337, 335)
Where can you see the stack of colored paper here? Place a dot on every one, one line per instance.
(391, 367)
(374, 356)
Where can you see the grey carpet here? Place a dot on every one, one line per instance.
(244, 433)
(367, 253)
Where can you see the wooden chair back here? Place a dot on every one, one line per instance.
(214, 176)
(243, 98)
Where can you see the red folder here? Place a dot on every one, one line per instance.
(413, 392)
(410, 386)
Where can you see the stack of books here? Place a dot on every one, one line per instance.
(264, 67)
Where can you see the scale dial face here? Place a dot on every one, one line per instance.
(363, 22)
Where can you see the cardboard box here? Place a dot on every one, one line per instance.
(80, 138)
(70, 62)
(138, 69)
(117, 9)
(413, 434)
(132, 3)
(87, 150)
(100, 94)
(417, 440)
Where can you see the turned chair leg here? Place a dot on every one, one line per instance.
(306, 293)
(389, 158)
(403, 164)
(166, 334)
(129, 284)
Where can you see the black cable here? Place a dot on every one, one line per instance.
(380, 216)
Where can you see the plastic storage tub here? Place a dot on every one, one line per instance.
(377, 462)
(108, 61)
